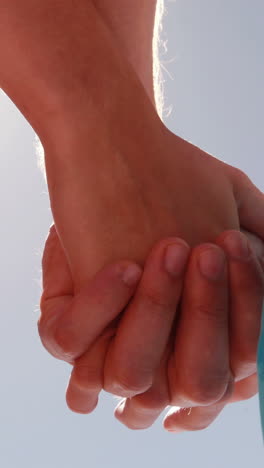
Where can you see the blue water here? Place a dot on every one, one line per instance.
(261, 373)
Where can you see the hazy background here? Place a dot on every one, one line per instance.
(214, 86)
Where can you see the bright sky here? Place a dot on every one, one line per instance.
(215, 88)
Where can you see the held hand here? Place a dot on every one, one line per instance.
(87, 378)
(213, 359)
(116, 190)
(110, 202)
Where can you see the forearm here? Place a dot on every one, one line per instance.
(32, 45)
(136, 27)
(56, 57)
(44, 44)
(91, 96)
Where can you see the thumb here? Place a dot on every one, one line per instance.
(57, 295)
(69, 323)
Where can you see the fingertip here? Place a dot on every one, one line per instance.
(79, 401)
(125, 272)
(131, 274)
(169, 421)
(170, 428)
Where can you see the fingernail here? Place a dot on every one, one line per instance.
(132, 275)
(176, 256)
(237, 245)
(212, 263)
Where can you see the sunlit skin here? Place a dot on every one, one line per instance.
(106, 295)
(241, 183)
(144, 199)
(119, 181)
(73, 336)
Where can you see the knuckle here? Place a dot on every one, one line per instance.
(55, 339)
(211, 312)
(79, 378)
(156, 402)
(207, 391)
(154, 298)
(90, 404)
(240, 175)
(45, 334)
(44, 326)
(128, 385)
(64, 339)
(85, 377)
(47, 318)
(229, 390)
(42, 331)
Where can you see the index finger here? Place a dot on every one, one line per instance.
(199, 369)
(143, 333)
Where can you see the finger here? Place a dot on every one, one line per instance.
(141, 411)
(200, 417)
(250, 203)
(199, 369)
(246, 296)
(57, 292)
(143, 333)
(56, 275)
(95, 306)
(86, 379)
(195, 418)
(245, 389)
(68, 325)
(256, 245)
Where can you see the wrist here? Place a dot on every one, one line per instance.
(104, 95)
(47, 52)
(92, 131)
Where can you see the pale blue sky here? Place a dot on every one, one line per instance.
(217, 99)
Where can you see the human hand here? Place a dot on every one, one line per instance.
(141, 411)
(206, 372)
(139, 205)
(119, 204)
(110, 203)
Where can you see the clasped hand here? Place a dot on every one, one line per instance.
(181, 341)
(184, 338)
